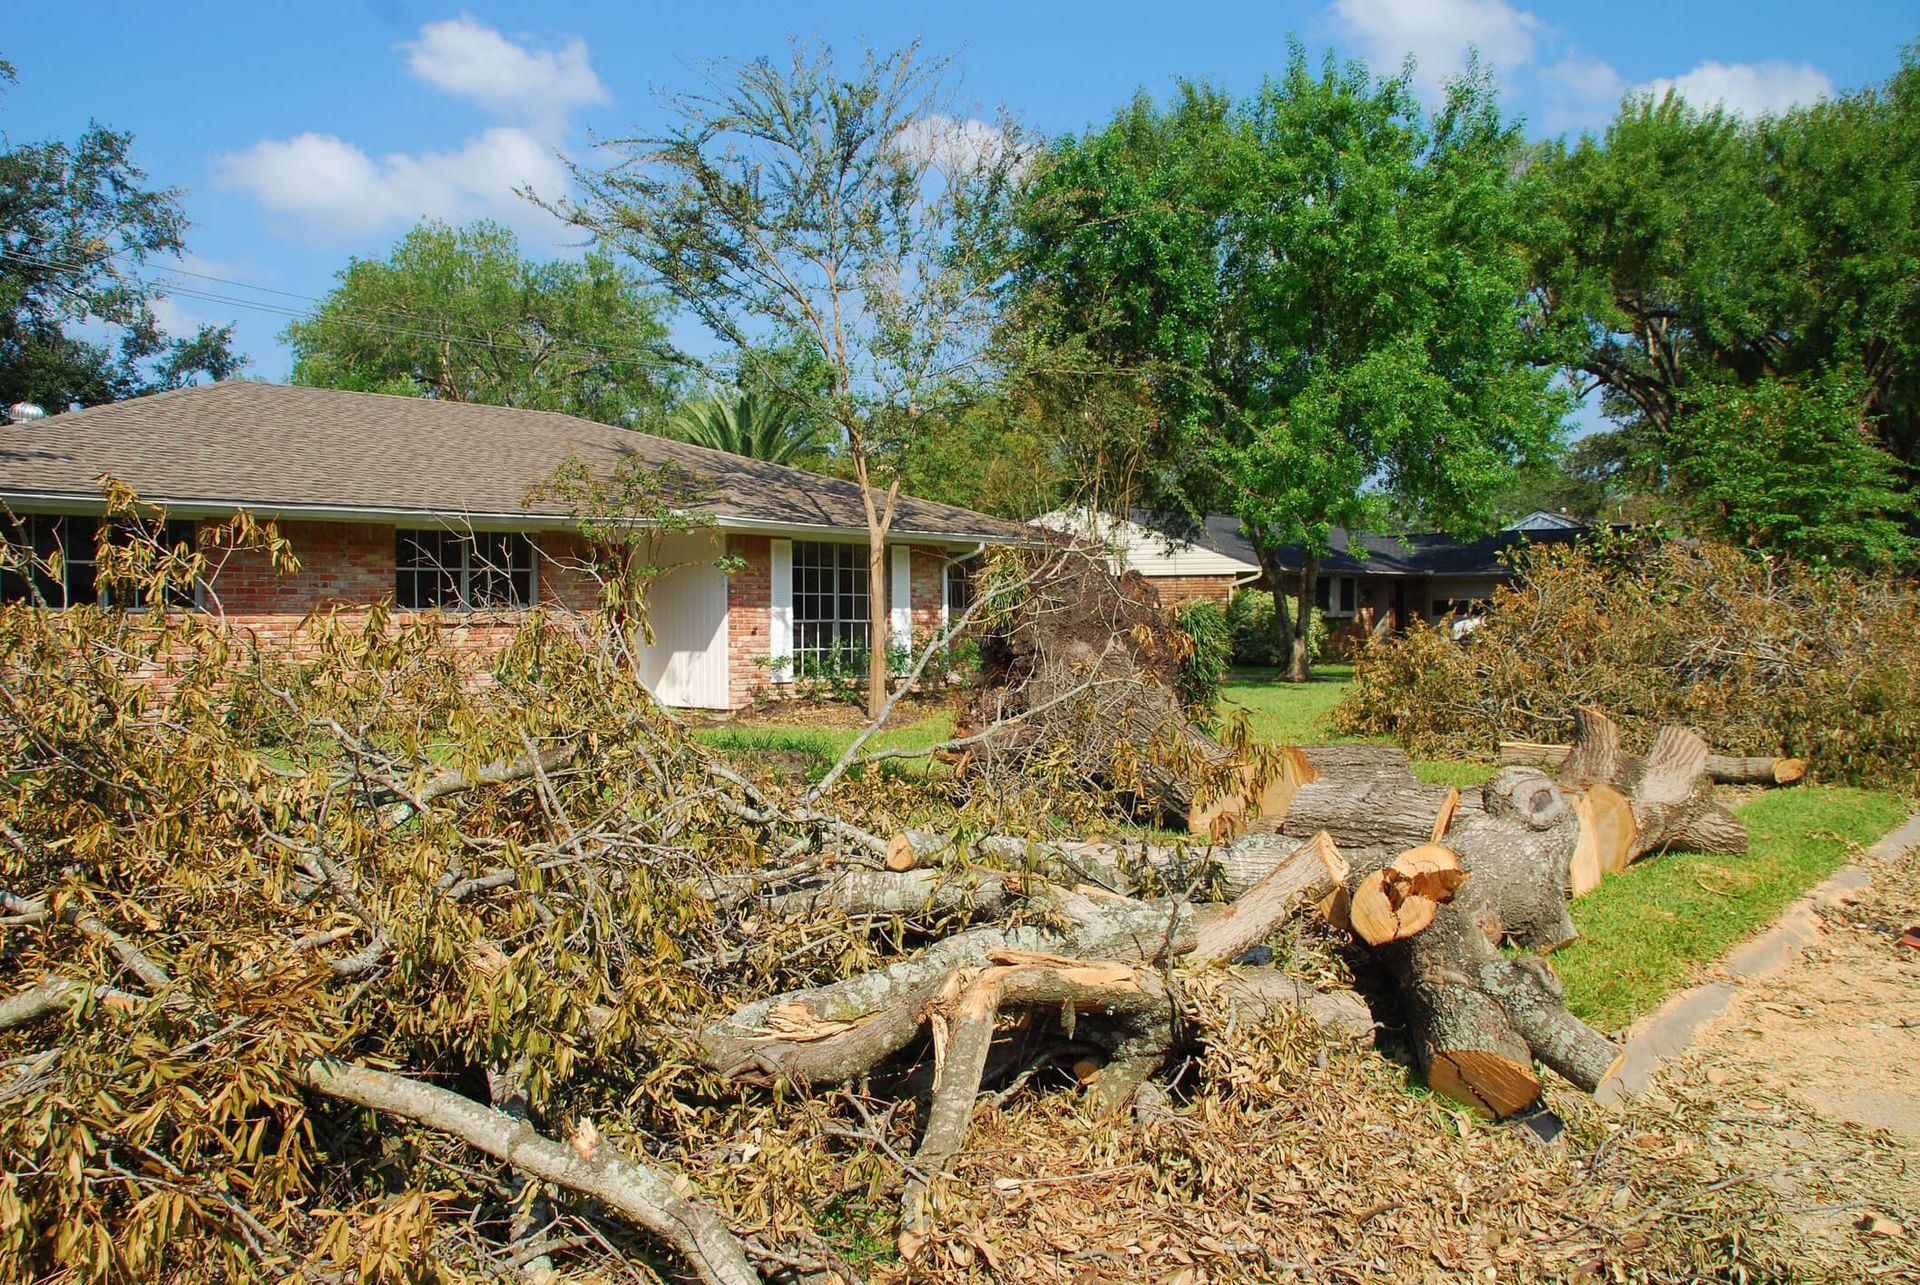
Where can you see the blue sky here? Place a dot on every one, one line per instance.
(303, 135)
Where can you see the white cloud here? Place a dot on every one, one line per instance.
(1746, 88)
(1580, 77)
(342, 191)
(955, 146)
(1438, 33)
(463, 58)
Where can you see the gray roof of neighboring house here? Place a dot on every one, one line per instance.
(1426, 554)
(275, 448)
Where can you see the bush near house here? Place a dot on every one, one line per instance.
(1759, 654)
(1250, 620)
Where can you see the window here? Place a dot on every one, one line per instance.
(830, 623)
(458, 571)
(959, 588)
(35, 538)
(1323, 596)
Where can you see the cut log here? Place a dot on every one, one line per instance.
(1371, 813)
(1273, 797)
(1725, 769)
(1445, 816)
(1357, 762)
(1253, 917)
(1667, 789)
(1610, 816)
(1401, 898)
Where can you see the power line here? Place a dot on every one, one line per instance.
(362, 319)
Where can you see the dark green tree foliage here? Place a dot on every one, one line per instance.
(459, 314)
(77, 221)
(1793, 468)
(1686, 252)
(1324, 286)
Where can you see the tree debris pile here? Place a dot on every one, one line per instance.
(1080, 672)
(1763, 657)
(364, 970)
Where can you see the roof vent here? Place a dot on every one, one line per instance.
(25, 412)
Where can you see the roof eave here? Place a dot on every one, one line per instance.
(524, 520)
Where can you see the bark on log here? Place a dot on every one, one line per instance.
(1725, 769)
(1371, 813)
(1667, 788)
(1357, 762)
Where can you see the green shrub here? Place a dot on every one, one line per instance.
(1206, 663)
(1759, 654)
(1250, 621)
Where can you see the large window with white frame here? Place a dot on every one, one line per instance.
(830, 625)
(462, 570)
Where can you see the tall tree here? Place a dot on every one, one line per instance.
(459, 314)
(77, 223)
(1686, 253)
(837, 204)
(1328, 285)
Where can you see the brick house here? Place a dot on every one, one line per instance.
(423, 504)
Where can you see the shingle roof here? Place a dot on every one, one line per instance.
(1424, 554)
(277, 448)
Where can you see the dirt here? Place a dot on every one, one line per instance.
(1810, 1079)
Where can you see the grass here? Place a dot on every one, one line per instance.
(824, 745)
(1645, 930)
(1297, 714)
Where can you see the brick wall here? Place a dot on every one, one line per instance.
(929, 568)
(1177, 591)
(749, 624)
(349, 566)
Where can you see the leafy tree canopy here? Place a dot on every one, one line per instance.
(1686, 253)
(752, 424)
(1318, 291)
(77, 221)
(459, 314)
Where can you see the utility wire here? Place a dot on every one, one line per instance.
(362, 319)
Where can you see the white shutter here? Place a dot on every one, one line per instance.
(780, 611)
(900, 598)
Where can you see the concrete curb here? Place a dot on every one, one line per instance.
(1671, 1027)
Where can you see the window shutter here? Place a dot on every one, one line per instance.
(900, 598)
(780, 611)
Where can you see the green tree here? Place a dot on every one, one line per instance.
(751, 424)
(77, 222)
(1686, 252)
(841, 206)
(459, 314)
(1326, 288)
(1791, 467)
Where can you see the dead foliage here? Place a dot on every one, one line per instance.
(1760, 655)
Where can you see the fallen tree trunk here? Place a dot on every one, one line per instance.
(1725, 769)
(1358, 761)
(1371, 813)
(1668, 789)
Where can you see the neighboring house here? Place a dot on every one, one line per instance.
(421, 503)
(1181, 570)
(1394, 579)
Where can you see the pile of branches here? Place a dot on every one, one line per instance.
(1082, 674)
(392, 965)
(1762, 656)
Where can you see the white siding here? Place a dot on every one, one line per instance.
(686, 664)
(1132, 547)
(780, 611)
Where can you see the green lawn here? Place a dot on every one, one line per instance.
(1296, 714)
(824, 745)
(1645, 930)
